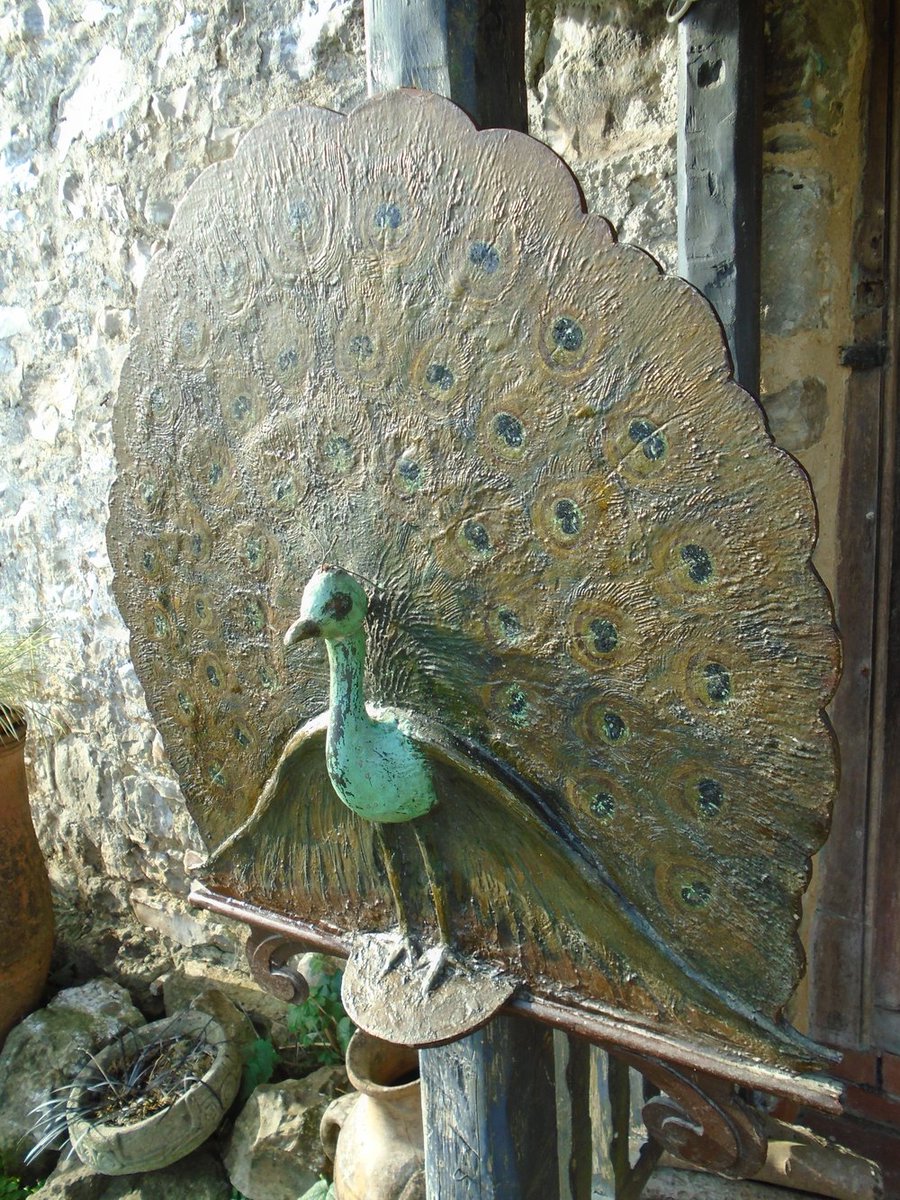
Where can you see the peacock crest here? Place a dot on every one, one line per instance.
(394, 343)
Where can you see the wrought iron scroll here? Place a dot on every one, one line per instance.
(701, 1119)
(267, 954)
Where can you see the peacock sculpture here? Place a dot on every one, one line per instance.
(549, 715)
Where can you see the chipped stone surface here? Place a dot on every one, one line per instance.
(275, 1152)
(797, 414)
(797, 206)
(200, 1176)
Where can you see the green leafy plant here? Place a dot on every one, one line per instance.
(320, 1025)
(12, 1188)
(260, 1060)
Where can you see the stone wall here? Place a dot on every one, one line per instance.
(108, 110)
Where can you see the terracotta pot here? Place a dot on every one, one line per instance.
(26, 911)
(170, 1133)
(375, 1137)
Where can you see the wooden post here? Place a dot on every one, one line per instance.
(472, 51)
(719, 168)
(490, 1115)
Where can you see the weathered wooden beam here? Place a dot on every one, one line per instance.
(719, 172)
(490, 1115)
(472, 51)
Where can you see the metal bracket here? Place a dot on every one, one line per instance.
(267, 954)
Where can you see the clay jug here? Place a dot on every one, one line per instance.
(26, 913)
(375, 1137)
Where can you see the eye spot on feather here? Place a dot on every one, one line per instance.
(362, 346)
(603, 805)
(388, 216)
(212, 675)
(241, 407)
(646, 435)
(283, 491)
(242, 737)
(698, 562)
(485, 256)
(710, 797)
(613, 728)
(439, 376)
(189, 336)
(159, 401)
(161, 625)
(509, 624)
(267, 678)
(217, 775)
(339, 453)
(567, 334)
(509, 430)
(517, 706)
(288, 360)
(567, 518)
(604, 635)
(254, 551)
(185, 703)
(410, 473)
(718, 682)
(299, 214)
(148, 494)
(255, 615)
(476, 538)
(696, 893)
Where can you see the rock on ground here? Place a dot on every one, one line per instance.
(200, 1176)
(44, 1053)
(275, 1152)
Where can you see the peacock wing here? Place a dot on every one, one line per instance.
(392, 343)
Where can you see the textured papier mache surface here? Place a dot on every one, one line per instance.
(397, 345)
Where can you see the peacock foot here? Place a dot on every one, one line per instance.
(400, 993)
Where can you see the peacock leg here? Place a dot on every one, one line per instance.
(405, 944)
(441, 955)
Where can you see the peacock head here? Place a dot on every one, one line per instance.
(333, 606)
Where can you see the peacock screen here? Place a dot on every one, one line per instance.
(397, 347)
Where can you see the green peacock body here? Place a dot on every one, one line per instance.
(393, 344)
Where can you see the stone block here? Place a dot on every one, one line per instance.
(275, 1152)
(797, 414)
(200, 1176)
(44, 1053)
(796, 287)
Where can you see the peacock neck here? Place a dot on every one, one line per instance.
(347, 706)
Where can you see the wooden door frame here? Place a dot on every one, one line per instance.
(854, 954)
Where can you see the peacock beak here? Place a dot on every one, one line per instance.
(300, 631)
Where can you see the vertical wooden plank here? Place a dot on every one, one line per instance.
(884, 894)
(719, 176)
(573, 1114)
(840, 959)
(490, 1115)
(472, 51)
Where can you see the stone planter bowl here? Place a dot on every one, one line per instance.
(172, 1132)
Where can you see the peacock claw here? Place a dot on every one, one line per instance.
(406, 948)
(436, 960)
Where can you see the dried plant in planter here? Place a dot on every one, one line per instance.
(153, 1095)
